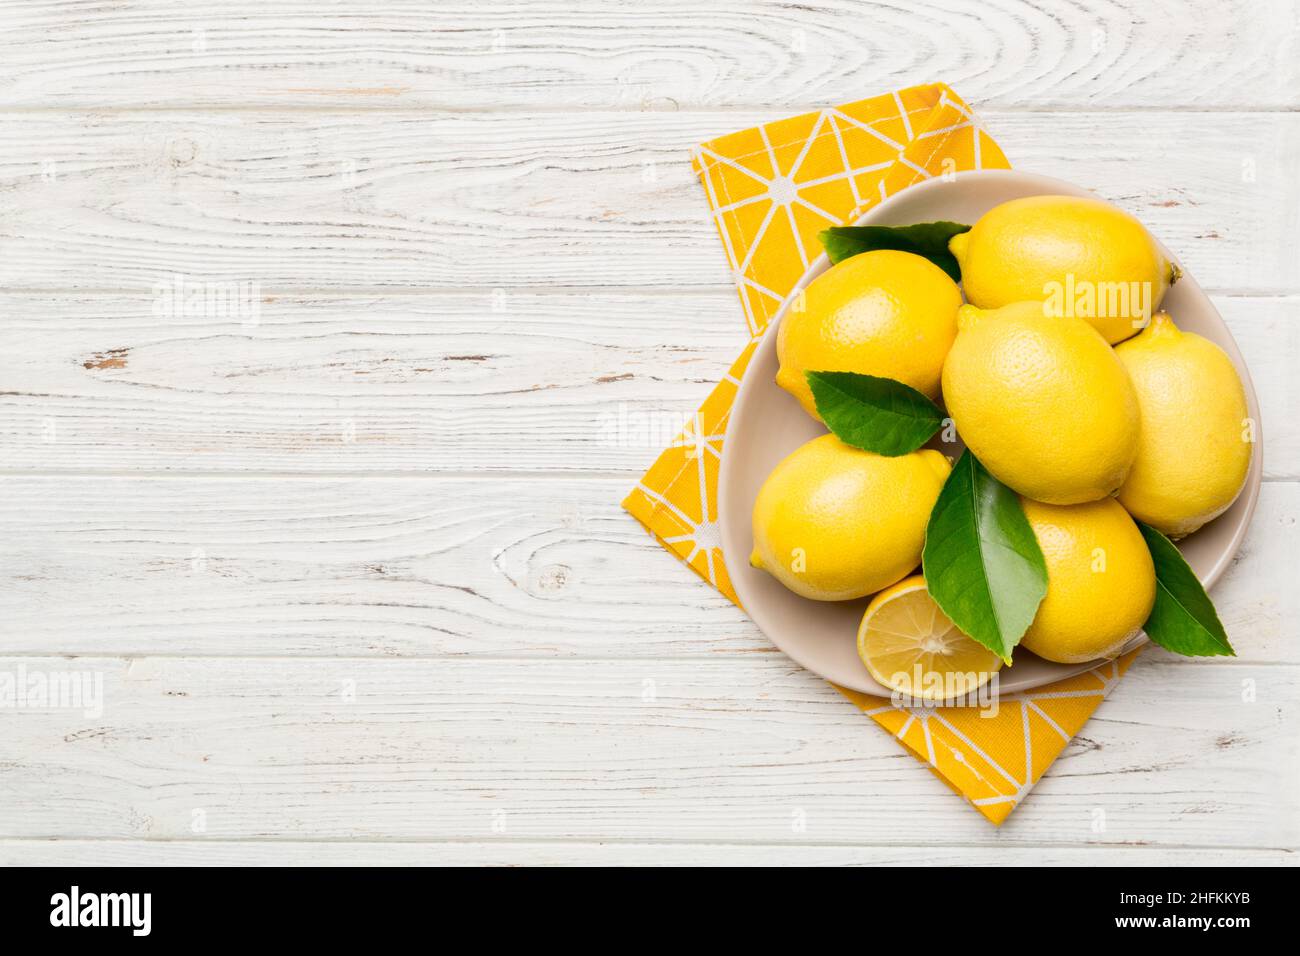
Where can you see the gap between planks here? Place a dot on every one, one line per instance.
(635, 841)
(631, 474)
(476, 658)
(985, 106)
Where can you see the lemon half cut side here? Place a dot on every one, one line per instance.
(910, 646)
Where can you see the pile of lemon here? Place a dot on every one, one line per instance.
(1093, 418)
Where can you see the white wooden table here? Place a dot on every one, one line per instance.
(352, 569)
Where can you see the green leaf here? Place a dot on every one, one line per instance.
(878, 414)
(1183, 619)
(981, 560)
(928, 239)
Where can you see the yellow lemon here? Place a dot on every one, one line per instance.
(886, 313)
(1042, 402)
(833, 522)
(1085, 257)
(1101, 582)
(1195, 441)
(909, 645)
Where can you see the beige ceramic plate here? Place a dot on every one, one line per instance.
(767, 424)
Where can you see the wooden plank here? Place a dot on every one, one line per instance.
(582, 381)
(337, 568)
(564, 853)
(565, 382)
(742, 749)
(660, 54)
(364, 201)
(420, 568)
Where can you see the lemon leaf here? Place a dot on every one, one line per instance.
(1183, 619)
(928, 239)
(982, 563)
(878, 414)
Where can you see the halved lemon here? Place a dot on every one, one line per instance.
(908, 644)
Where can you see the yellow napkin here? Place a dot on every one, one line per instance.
(772, 189)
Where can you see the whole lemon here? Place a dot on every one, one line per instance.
(1194, 445)
(833, 522)
(1085, 257)
(1042, 402)
(886, 313)
(1101, 582)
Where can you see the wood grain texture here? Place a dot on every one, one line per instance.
(566, 853)
(367, 201)
(564, 381)
(489, 568)
(746, 749)
(450, 382)
(660, 54)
